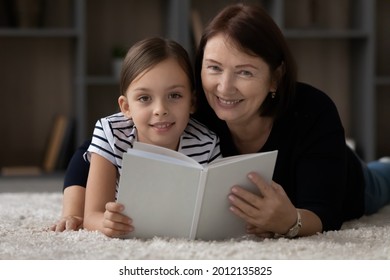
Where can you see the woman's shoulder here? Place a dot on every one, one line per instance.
(309, 96)
(312, 108)
(311, 103)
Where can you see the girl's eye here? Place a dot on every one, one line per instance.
(175, 95)
(144, 98)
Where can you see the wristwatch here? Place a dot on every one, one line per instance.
(294, 230)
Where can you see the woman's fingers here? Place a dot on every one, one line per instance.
(248, 202)
(247, 206)
(263, 186)
(264, 211)
(251, 229)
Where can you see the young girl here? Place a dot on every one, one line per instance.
(156, 101)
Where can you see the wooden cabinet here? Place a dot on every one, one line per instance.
(37, 57)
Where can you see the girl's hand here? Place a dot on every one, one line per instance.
(68, 223)
(116, 224)
(270, 212)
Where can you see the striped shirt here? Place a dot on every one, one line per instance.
(114, 134)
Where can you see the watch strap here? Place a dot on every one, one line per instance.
(294, 230)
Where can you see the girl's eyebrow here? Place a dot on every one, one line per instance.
(175, 86)
(144, 89)
(141, 89)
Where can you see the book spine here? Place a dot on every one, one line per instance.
(198, 203)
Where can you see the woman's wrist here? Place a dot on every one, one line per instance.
(294, 230)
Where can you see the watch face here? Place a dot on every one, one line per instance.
(293, 231)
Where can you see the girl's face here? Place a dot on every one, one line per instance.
(159, 101)
(234, 82)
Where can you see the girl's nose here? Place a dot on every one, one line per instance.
(160, 109)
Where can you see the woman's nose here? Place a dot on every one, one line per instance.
(226, 84)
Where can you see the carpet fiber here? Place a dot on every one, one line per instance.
(24, 217)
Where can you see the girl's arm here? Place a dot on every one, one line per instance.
(101, 212)
(73, 200)
(72, 209)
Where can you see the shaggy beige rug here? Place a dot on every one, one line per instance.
(25, 216)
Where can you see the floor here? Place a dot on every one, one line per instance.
(44, 183)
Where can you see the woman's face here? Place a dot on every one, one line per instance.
(234, 82)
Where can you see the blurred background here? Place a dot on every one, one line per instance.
(59, 66)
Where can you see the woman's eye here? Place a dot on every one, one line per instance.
(214, 68)
(245, 73)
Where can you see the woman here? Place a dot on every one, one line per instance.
(248, 95)
(248, 77)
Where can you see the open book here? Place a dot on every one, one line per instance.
(168, 194)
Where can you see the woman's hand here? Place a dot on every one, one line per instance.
(116, 224)
(68, 223)
(269, 212)
(251, 229)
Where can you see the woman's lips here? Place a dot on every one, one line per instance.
(228, 102)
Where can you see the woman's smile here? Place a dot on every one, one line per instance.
(228, 102)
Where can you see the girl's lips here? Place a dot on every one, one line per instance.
(162, 125)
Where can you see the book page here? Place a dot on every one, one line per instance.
(232, 159)
(216, 221)
(159, 196)
(166, 154)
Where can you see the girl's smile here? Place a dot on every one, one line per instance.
(162, 126)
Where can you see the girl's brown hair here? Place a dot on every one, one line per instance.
(148, 53)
